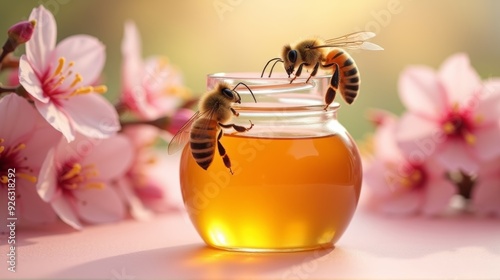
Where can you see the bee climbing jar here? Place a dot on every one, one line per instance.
(297, 171)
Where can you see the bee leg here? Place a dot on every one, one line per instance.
(314, 72)
(234, 112)
(223, 154)
(334, 86)
(298, 72)
(238, 128)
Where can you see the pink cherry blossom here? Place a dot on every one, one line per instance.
(76, 179)
(451, 116)
(399, 185)
(24, 141)
(59, 78)
(150, 88)
(486, 191)
(143, 187)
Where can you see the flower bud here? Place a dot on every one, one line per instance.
(178, 120)
(21, 32)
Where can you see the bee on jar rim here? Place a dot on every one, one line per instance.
(316, 53)
(205, 128)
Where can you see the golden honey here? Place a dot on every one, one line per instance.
(286, 193)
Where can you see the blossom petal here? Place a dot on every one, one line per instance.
(486, 195)
(17, 118)
(99, 205)
(41, 44)
(33, 209)
(47, 178)
(437, 195)
(486, 143)
(420, 91)
(488, 106)
(88, 55)
(44, 137)
(137, 208)
(56, 118)
(385, 142)
(29, 80)
(418, 137)
(459, 79)
(92, 115)
(112, 157)
(65, 211)
(456, 155)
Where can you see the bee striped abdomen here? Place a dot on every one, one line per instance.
(348, 73)
(202, 141)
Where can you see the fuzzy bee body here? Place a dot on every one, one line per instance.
(313, 54)
(204, 129)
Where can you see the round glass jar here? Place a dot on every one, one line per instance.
(297, 172)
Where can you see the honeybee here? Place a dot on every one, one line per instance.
(204, 129)
(316, 53)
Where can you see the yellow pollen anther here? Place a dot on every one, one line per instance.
(2, 148)
(469, 138)
(478, 119)
(100, 89)
(28, 177)
(78, 79)
(448, 128)
(416, 176)
(405, 182)
(455, 107)
(75, 170)
(90, 89)
(4, 179)
(60, 66)
(19, 147)
(95, 185)
(1, 140)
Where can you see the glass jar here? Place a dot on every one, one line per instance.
(297, 172)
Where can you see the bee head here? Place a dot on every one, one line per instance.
(231, 95)
(289, 57)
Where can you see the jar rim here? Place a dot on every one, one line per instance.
(254, 75)
(280, 88)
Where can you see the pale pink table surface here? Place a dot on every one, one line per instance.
(168, 247)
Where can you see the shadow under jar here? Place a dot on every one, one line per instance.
(297, 172)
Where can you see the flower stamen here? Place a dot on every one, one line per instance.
(26, 176)
(95, 185)
(74, 171)
(78, 79)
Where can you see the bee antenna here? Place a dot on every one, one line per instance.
(270, 72)
(241, 83)
(273, 59)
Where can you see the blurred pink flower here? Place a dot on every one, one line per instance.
(451, 115)
(399, 185)
(25, 139)
(150, 88)
(142, 188)
(60, 78)
(76, 179)
(486, 192)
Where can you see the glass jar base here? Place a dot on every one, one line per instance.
(324, 246)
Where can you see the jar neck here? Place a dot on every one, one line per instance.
(280, 120)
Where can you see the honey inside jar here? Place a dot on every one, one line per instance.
(288, 192)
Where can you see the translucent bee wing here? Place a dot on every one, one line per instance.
(351, 37)
(354, 40)
(182, 136)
